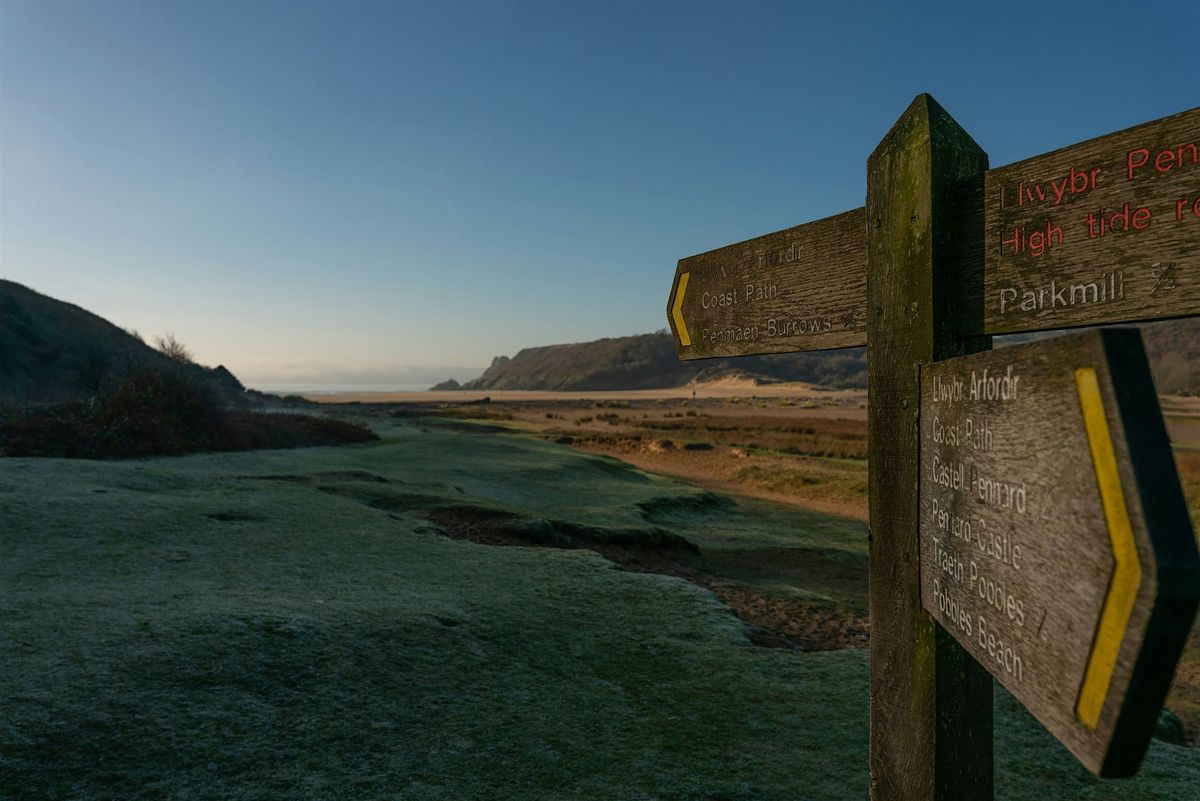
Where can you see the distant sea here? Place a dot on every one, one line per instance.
(337, 389)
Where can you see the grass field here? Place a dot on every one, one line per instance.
(291, 624)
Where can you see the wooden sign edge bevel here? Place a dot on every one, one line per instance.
(1172, 545)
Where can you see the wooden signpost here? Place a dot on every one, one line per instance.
(1106, 231)
(1053, 532)
(1026, 518)
(804, 288)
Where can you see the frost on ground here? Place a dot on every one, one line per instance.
(298, 624)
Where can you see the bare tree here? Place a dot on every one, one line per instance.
(172, 348)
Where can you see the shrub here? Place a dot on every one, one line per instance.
(157, 411)
(173, 349)
(95, 368)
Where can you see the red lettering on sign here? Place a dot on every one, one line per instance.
(1037, 242)
(1025, 193)
(1075, 182)
(1130, 166)
(1164, 160)
(1189, 150)
(1101, 222)
(1056, 230)
(1181, 208)
(1014, 243)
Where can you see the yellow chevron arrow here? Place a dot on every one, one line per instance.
(1127, 572)
(685, 338)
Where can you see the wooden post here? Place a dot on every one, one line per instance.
(931, 702)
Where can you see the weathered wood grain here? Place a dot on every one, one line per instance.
(803, 288)
(1016, 560)
(1055, 257)
(931, 703)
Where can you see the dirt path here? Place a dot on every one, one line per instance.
(734, 471)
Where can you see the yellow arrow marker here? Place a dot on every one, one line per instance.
(1127, 573)
(685, 338)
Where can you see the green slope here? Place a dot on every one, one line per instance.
(54, 352)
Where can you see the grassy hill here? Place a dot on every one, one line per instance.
(648, 361)
(57, 352)
(73, 385)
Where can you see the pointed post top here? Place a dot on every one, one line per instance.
(926, 119)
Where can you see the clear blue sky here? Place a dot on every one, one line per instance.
(380, 192)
